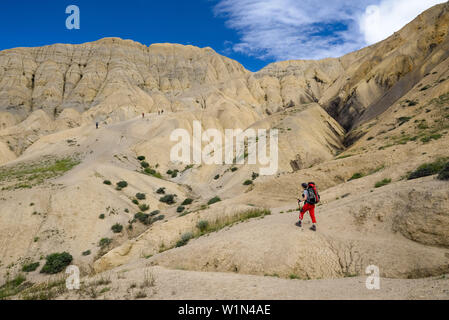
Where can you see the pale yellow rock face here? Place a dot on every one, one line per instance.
(347, 124)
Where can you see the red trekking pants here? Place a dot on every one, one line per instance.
(308, 207)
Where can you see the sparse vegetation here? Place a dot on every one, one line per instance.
(202, 225)
(141, 158)
(160, 191)
(152, 172)
(30, 267)
(141, 196)
(444, 173)
(154, 213)
(13, 287)
(104, 242)
(101, 216)
(145, 164)
(185, 238)
(186, 202)
(428, 169)
(143, 218)
(403, 120)
(247, 182)
(144, 207)
(205, 227)
(217, 177)
(86, 253)
(168, 199)
(27, 175)
(117, 228)
(107, 182)
(355, 176)
(382, 183)
(214, 200)
(180, 209)
(430, 137)
(56, 262)
(122, 184)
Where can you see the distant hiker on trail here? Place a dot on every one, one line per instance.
(96, 124)
(310, 197)
(143, 115)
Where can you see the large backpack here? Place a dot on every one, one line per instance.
(314, 196)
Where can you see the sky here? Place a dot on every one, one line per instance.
(253, 32)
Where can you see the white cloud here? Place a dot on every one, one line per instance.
(381, 21)
(310, 29)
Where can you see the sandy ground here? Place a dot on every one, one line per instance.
(180, 284)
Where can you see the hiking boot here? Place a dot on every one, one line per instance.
(299, 223)
(313, 228)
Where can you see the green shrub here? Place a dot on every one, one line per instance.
(161, 217)
(355, 176)
(141, 196)
(154, 213)
(149, 171)
(202, 225)
(135, 201)
(174, 174)
(403, 120)
(144, 207)
(56, 262)
(169, 172)
(122, 184)
(186, 202)
(160, 191)
(101, 216)
(427, 169)
(184, 239)
(143, 218)
(30, 267)
(254, 176)
(382, 183)
(107, 182)
(214, 200)
(180, 209)
(444, 173)
(233, 169)
(168, 199)
(431, 137)
(104, 242)
(140, 158)
(145, 164)
(217, 177)
(117, 228)
(86, 253)
(247, 182)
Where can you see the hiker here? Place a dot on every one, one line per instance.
(310, 197)
(143, 115)
(96, 124)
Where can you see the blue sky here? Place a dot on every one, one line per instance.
(253, 32)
